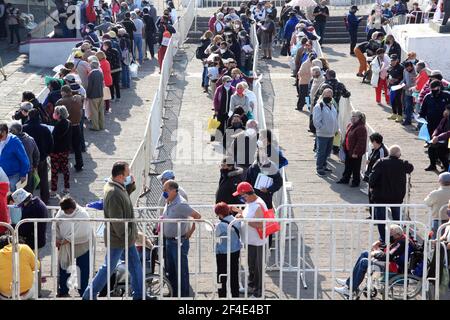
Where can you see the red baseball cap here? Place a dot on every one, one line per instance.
(243, 187)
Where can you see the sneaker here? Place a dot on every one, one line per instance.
(342, 290)
(342, 181)
(393, 117)
(63, 295)
(321, 172)
(327, 170)
(341, 282)
(354, 185)
(53, 195)
(430, 168)
(399, 119)
(360, 75)
(66, 192)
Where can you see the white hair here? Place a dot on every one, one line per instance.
(396, 229)
(395, 151)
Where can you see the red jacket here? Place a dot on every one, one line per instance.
(4, 211)
(106, 69)
(356, 139)
(421, 80)
(91, 15)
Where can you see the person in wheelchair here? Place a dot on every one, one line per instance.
(377, 258)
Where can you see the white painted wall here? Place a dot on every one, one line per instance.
(50, 52)
(430, 46)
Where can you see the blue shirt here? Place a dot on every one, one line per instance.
(222, 239)
(289, 28)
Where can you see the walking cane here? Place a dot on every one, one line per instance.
(2, 69)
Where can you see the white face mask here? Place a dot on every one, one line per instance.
(227, 86)
(223, 50)
(250, 132)
(260, 144)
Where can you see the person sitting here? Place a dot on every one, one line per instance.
(376, 258)
(27, 261)
(437, 199)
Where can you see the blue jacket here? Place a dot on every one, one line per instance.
(353, 22)
(289, 28)
(14, 159)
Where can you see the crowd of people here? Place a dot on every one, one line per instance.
(250, 170)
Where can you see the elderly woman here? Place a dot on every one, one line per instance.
(355, 146)
(77, 232)
(107, 78)
(59, 157)
(240, 99)
(316, 82)
(236, 76)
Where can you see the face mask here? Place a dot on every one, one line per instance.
(165, 194)
(250, 132)
(435, 93)
(327, 99)
(223, 171)
(227, 85)
(127, 181)
(240, 90)
(105, 48)
(55, 117)
(237, 125)
(223, 50)
(241, 199)
(378, 41)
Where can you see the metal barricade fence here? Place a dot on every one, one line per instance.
(156, 280)
(14, 257)
(327, 260)
(438, 244)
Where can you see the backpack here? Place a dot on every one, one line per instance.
(312, 128)
(126, 56)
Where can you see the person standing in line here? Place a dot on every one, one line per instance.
(137, 36)
(59, 157)
(165, 34)
(222, 100)
(44, 140)
(105, 66)
(268, 32)
(3, 17)
(30, 148)
(13, 158)
(164, 177)
(395, 73)
(409, 79)
(436, 200)
(355, 146)
(387, 185)
(320, 14)
(224, 213)
(13, 20)
(117, 204)
(94, 96)
(150, 32)
(353, 25)
(254, 208)
(114, 59)
(379, 66)
(177, 208)
(326, 123)
(127, 57)
(129, 27)
(74, 105)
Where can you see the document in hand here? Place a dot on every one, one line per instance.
(263, 182)
(398, 87)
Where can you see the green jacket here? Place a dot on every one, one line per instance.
(117, 205)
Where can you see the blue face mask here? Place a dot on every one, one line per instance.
(127, 181)
(242, 199)
(165, 194)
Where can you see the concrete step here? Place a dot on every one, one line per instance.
(336, 40)
(342, 34)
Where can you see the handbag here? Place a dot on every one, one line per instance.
(271, 226)
(213, 124)
(134, 70)
(106, 93)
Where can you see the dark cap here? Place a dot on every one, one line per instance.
(354, 8)
(435, 84)
(394, 56)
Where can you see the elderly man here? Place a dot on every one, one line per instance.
(74, 105)
(117, 205)
(244, 146)
(437, 200)
(13, 158)
(176, 236)
(94, 96)
(164, 177)
(31, 149)
(387, 184)
(377, 259)
(325, 121)
(22, 113)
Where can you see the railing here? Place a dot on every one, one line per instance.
(415, 17)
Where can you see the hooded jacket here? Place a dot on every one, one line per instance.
(227, 185)
(325, 119)
(13, 158)
(31, 149)
(35, 209)
(41, 135)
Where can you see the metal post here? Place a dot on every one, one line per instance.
(195, 15)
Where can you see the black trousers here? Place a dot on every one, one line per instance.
(438, 151)
(303, 93)
(14, 30)
(221, 260)
(397, 107)
(353, 40)
(150, 41)
(115, 88)
(76, 146)
(255, 277)
(43, 184)
(352, 168)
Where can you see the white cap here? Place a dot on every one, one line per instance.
(20, 195)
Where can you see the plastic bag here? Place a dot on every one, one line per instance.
(133, 70)
(213, 124)
(424, 134)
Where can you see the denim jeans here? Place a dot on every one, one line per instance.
(380, 214)
(126, 80)
(171, 263)
(205, 79)
(82, 263)
(324, 146)
(359, 270)
(138, 46)
(408, 103)
(320, 29)
(13, 181)
(82, 141)
(134, 267)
